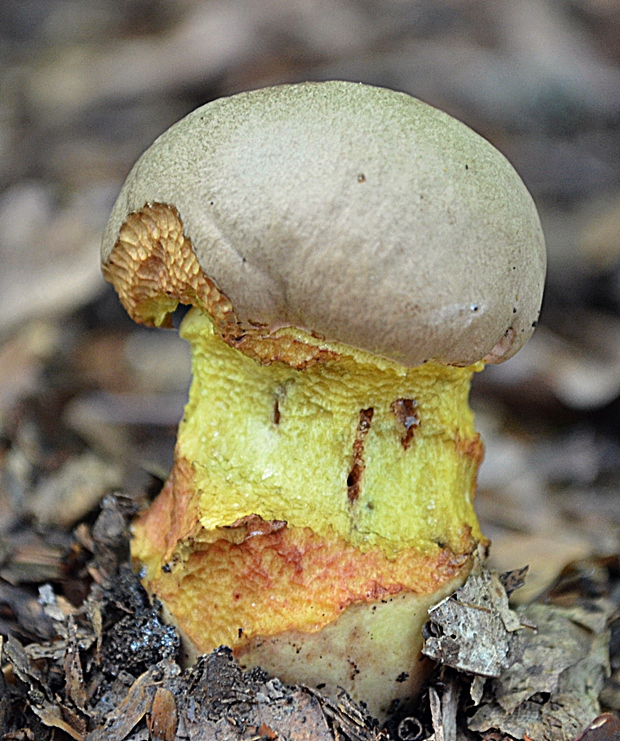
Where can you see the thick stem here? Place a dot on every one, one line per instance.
(257, 541)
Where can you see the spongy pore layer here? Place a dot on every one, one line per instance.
(281, 443)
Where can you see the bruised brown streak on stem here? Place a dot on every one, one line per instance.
(405, 411)
(470, 447)
(354, 479)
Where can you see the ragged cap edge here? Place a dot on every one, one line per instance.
(332, 295)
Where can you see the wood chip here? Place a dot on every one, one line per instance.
(74, 677)
(130, 712)
(162, 718)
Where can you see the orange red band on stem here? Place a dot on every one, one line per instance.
(258, 578)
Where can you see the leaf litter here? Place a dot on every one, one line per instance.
(108, 669)
(536, 672)
(110, 672)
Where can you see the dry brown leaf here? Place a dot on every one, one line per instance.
(42, 699)
(604, 728)
(550, 690)
(52, 716)
(70, 493)
(470, 631)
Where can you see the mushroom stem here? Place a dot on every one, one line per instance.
(257, 541)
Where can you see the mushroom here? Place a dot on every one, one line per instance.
(352, 256)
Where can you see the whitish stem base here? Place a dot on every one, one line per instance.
(373, 651)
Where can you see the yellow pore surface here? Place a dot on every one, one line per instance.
(301, 446)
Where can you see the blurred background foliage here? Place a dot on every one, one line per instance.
(89, 402)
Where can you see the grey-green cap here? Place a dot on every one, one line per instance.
(354, 212)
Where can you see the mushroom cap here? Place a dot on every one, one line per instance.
(356, 213)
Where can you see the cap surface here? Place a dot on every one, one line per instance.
(354, 212)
